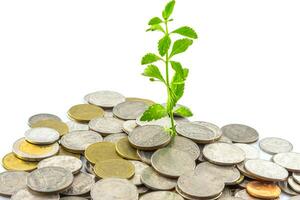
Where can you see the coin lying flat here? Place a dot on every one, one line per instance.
(286, 188)
(49, 179)
(68, 162)
(129, 125)
(82, 184)
(186, 145)
(213, 127)
(85, 112)
(11, 162)
(145, 156)
(73, 198)
(125, 150)
(108, 113)
(106, 125)
(31, 152)
(161, 195)
(241, 167)
(164, 122)
(149, 137)
(240, 133)
(147, 101)
(263, 190)
(289, 160)
(114, 138)
(76, 126)
(59, 126)
(266, 170)
(275, 145)
(244, 183)
(223, 153)
(296, 177)
(114, 168)
(78, 141)
(64, 152)
(129, 110)
(114, 189)
(26, 194)
(42, 116)
(293, 184)
(186, 196)
(244, 195)
(181, 120)
(155, 181)
(250, 151)
(172, 162)
(224, 139)
(12, 181)
(41, 135)
(105, 98)
(139, 168)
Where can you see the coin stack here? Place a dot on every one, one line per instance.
(107, 153)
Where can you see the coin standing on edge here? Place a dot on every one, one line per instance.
(42, 135)
(12, 181)
(240, 133)
(129, 110)
(42, 116)
(30, 195)
(273, 145)
(106, 125)
(82, 184)
(105, 98)
(289, 160)
(12, 162)
(85, 112)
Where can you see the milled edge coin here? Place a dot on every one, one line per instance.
(42, 116)
(59, 126)
(30, 195)
(186, 145)
(125, 150)
(114, 168)
(105, 98)
(139, 168)
(161, 195)
(273, 145)
(85, 112)
(129, 110)
(264, 190)
(106, 125)
(289, 160)
(12, 162)
(82, 184)
(240, 133)
(12, 181)
(42, 135)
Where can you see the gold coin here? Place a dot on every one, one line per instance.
(263, 190)
(114, 168)
(12, 162)
(64, 152)
(59, 126)
(101, 151)
(125, 150)
(147, 101)
(85, 112)
(240, 180)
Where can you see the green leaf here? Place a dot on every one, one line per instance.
(183, 111)
(181, 46)
(152, 71)
(168, 10)
(156, 27)
(154, 21)
(186, 31)
(150, 58)
(156, 111)
(177, 68)
(164, 45)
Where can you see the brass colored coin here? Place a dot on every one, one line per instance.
(147, 101)
(101, 151)
(85, 112)
(11, 162)
(263, 190)
(125, 150)
(114, 168)
(59, 126)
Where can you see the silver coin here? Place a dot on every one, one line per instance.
(73, 198)
(129, 110)
(250, 151)
(114, 138)
(105, 98)
(50, 179)
(164, 122)
(196, 132)
(68, 162)
(145, 156)
(26, 194)
(129, 125)
(266, 170)
(289, 160)
(201, 157)
(180, 120)
(186, 145)
(155, 181)
(149, 137)
(172, 162)
(273, 145)
(240, 133)
(296, 177)
(286, 188)
(142, 189)
(295, 198)
(76, 126)
(228, 174)
(106, 125)
(108, 113)
(42, 116)
(241, 167)
(188, 197)
(139, 168)
(223, 153)
(89, 168)
(114, 189)
(244, 195)
(224, 139)
(78, 141)
(82, 184)
(161, 195)
(293, 184)
(213, 127)
(12, 181)
(41, 135)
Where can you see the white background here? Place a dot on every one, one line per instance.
(243, 69)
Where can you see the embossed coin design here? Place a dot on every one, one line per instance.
(114, 138)
(240, 133)
(26, 194)
(12, 181)
(289, 160)
(129, 110)
(41, 135)
(42, 116)
(273, 145)
(105, 98)
(12, 162)
(85, 112)
(106, 125)
(263, 190)
(82, 184)
(186, 145)
(114, 168)
(125, 150)
(59, 126)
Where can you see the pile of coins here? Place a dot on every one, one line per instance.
(107, 153)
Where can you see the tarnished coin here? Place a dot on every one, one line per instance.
(106, 125)
(155, 181)
(275, 145)
(289, 160)
(26, 194)
(76, 126)
(82, 184)
(73, 198)
(139, 168)
(31, 152)
(41, 135)
(186, 145)
(213, 127)
(49, 179)
(266, 170)
(89, 168)
(223, 153)
(240, 133)
(129, 125)
(161, 195)
(42, 116)
(12, 162)
(85, 112)
(293, 184)
(129, 110)
(64, 152)
(264, 190)
(105, 98)
(125, 150)
(296, 177)
(147, 101)
(12, 181)
(196, 132)
(145, 156)
(68, 162)
(250, 151)
(78, 141)
(59, 126)
(114, 168)
(115, 137)
(244, 195)
(172, 162)
(101, 151)
(228, 174)
(286, 188)
(164, 122)
(149, 137)
(114, 189)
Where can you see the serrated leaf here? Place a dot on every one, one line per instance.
(177, 67)
(168, 10)
(186, 31)
(156, 27)
(164, 45)
(181, 46)
(152, 71)
(183, 111)
(156, 111)
(154, 21)
(149, 58)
